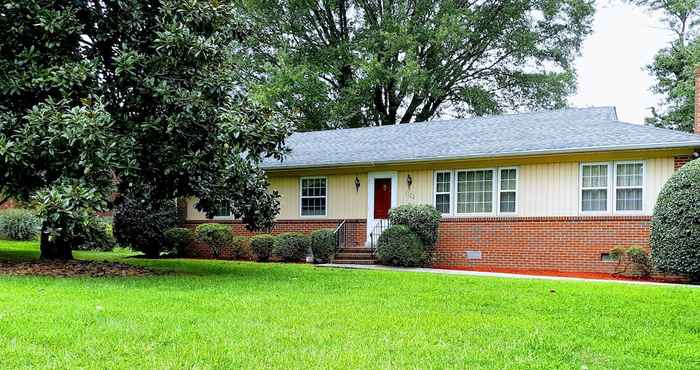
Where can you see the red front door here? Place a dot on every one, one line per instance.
(382, 198)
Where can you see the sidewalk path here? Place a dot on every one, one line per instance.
(497, 274)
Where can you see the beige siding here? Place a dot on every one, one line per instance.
(544, 189)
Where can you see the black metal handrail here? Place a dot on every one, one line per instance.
(377, 230)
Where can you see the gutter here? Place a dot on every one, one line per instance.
(679, 145)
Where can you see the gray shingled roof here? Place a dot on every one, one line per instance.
(549, 132)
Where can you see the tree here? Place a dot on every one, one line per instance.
(349, 63)
(674, 66)
(145, 92)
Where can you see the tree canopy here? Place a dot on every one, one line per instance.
(349, 63)
(145, 92)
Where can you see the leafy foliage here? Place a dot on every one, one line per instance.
(19, 224)
(178, 239)
(216, 237)
(357, 63)
(323, 245)
(141, 223)
(291, 247)
(96, 235)
(399, 246)
(261, 246)
(675, 226)
(422, 219)
(146, 92)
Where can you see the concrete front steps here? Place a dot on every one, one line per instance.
(355, 256)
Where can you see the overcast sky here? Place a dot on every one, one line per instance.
(611, 66)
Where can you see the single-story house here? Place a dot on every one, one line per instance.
(552, 190)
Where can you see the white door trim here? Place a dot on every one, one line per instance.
(371, 176)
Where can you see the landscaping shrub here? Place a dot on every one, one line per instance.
(399, 246)
(242, 247)
(261, 246)
(422, 219)
(19, 224)
(291, 247)
(96, 235)
(178, 239)
(141, 224)
(216, 237)
(675, 225)
(323, 245)
(640, 260)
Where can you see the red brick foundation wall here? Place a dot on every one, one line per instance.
(679, 161)
(571, 244)
(356, 230)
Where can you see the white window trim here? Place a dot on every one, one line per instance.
(494, 193)
(580, 188)
(643, 187)
(451, 193)
(301, 179)
(517, 190)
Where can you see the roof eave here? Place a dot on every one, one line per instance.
(680, 145)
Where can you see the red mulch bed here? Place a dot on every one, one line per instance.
(73, 268)
(583, 275)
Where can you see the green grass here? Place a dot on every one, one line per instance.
(216, 314)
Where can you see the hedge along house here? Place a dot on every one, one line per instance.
(552, 190)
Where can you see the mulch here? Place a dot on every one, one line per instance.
(73, 268)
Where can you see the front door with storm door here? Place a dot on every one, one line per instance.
(382, 198)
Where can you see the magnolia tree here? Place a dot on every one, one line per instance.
(147, 93)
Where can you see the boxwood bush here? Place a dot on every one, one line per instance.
(19, 224)
(261, 246)
(675, 225)
(422, 219)
(323, 245)
(291, 247)
(141, 223)
(399, 246)
(178, 239)
(216, 237)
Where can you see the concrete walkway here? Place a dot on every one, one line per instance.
(497, 274)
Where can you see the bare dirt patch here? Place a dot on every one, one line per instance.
(74, 268)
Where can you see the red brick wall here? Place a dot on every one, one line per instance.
(356, 230)
(679, 161)
(571, 244)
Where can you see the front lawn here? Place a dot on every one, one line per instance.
(216, 314)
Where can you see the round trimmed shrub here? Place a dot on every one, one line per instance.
(141, 224)
(422, 219)
(399, 246)
(323, 245)
(96, 235)
(19, 224)
(241, 246)
(178, 239)
(675, 226)
(216, 237)
(261, 246)
(291, 247)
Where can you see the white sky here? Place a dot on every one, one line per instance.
(611, 66)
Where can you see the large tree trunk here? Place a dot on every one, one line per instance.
(56, 249)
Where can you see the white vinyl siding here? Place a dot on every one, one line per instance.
(313, 199)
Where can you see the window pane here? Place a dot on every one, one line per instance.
(442, 182)
(594, 200)
(442, 203)
(507, 201)
(223, 209)
(630, 174)
(508, 179)
(475, 191)
(313, 197)
(629, 200)
(595, 176)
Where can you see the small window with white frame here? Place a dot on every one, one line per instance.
(223, 210)
(629, 186)
(443, 191)
(594, 187)
(313, 199)
(507, 190)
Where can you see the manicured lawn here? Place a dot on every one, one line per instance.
(215, 314)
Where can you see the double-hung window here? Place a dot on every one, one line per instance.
(313, 196)
(443, 191)
(616, 185)
(507, 190)
(629, 186)
(223, 209)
